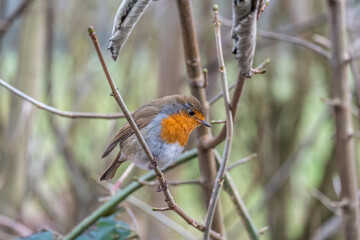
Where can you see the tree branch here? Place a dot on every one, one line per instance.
(15, 226)
(344, 145)
(214, 141)
(162, 218)
(194, 72)
(240, 207)
(110, 205)
(220, 94)
(295, 40)
(7, 23)
(159, 174)
(229, 127)
(241, 161)
(56, 111)
(172, 183)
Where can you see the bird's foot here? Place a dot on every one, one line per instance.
(160, 188)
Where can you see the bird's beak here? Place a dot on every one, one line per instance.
(205, 123)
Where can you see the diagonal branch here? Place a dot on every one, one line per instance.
(159, 174)
(241, 161)
(160, 217)
(213, 142)
(295, 40)
(258, 68)
(240, 208)
(56, 111)
(110, 205)
(7, 23)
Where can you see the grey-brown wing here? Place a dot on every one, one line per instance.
(142, 117)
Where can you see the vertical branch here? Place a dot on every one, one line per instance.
(243, 33)
(229, 128)
(239, 205)
(193, 66)
(345, 153)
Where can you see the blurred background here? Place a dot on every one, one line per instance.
(49, 165)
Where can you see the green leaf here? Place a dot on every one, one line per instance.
(43, 235)
(108, 228)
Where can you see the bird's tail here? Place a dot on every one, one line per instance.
(111, 170)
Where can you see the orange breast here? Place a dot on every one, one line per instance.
(177, 128)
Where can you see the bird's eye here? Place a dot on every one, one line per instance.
(191, 112)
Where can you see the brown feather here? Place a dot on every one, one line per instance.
(142, 117)
(111, 170)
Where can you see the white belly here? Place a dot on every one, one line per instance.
(165, 153)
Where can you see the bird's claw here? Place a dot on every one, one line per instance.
(160, 188)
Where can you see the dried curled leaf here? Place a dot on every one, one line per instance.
(127, 15)
(243, 33)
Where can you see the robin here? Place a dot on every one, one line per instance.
(165, 124)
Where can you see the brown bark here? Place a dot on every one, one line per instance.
(194, 72)
(345, 154)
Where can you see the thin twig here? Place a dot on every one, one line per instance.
(354, 57)
(15, 226)
(255, 71)
(133, 218)
(110, 205)
(171, 183)
(161, 209)
(218, 121)
(326, 202)
(229, 128)
(160, 217)
(56, 111)
(122, 178)
(159, 174)
(323, 41)
(262, 8)
(355, 134)
(214, 141)
(295, 40)
(242, 161)
(335, 102)
(205, 82)
(7, 23)
(220, 94)
(263, 230)
(240, 207)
